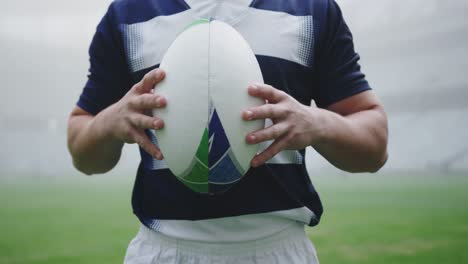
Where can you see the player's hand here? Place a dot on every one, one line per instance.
(130, 116)
(295, 126)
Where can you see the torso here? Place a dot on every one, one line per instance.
(269, 199)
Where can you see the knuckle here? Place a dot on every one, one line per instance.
(269, 109)
(281, 94)
(270, 92)
(144, 144)
(149, 122)
(278, 111)
(150, 100)
(146, 100)
(134, 88)
(132, 102)
(146, 122)
(139, 122)
(148, 76)
(291, 136)
(285, 111)
(127, 119)
(276, 131)
(129, 134)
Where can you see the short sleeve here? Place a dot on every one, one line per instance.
(338, 72)
(108, 78)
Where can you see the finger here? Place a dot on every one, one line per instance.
(143, 141)
(270, 133)
(275, 148)
(149, 81)
(266, 92)
(272, 111)
(147, 101)
(146, 122)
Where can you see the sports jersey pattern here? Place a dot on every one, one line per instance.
(303, 47)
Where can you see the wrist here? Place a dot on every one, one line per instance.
(103, 125)
(323, 127)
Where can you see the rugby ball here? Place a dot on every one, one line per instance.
(208, 69)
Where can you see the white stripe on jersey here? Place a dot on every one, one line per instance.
(253, 226)
(269, 33)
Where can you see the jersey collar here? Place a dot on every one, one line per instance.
(228, 11)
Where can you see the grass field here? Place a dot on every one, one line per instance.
(368, 219)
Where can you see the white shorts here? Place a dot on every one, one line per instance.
(288, 246)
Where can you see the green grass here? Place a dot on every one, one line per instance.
(80, 223)
(393, 220)
(371, 219)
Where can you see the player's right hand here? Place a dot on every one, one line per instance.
(129, 117)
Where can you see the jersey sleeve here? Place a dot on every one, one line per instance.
(338, 72)
(108, 78)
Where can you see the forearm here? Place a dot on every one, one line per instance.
(95, 142)
(356, 142)
(92, 147)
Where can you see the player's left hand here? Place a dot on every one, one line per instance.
(295, 126)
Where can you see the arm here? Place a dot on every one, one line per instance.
(92, 148)
(351, 134)
(95, 142)
(356, 134)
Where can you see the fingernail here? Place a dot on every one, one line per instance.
(249, 115)
(158, 102)
(157, 124)
(252, 138)
(159, 156)
(158, 74)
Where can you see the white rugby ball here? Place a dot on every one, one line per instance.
(208, 69)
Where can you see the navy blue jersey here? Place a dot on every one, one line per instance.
(304, 48)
